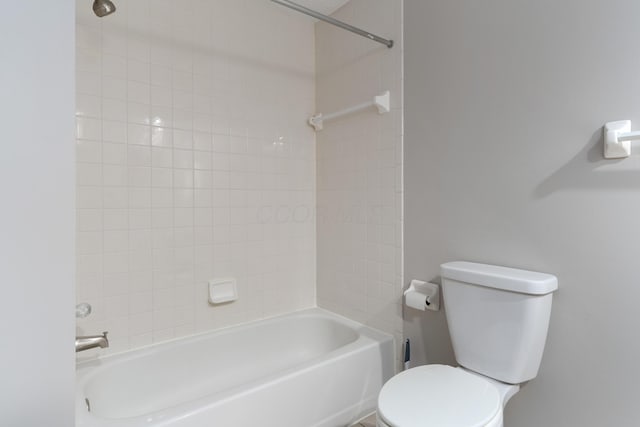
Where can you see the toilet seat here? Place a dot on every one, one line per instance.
(439, 396)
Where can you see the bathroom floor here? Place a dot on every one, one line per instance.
(370, 421)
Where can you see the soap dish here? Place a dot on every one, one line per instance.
(223, 290)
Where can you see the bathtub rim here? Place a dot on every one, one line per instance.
(83, 362)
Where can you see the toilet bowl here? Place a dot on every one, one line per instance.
(442, 396)
(498, 319)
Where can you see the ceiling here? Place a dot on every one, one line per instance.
(326, 7)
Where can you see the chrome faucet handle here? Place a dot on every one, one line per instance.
(83, 310)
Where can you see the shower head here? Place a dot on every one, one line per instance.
(103, 8)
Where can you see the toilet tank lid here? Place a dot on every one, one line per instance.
(493, 276)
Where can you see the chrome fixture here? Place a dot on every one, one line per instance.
(83, 310)
(103, 8)
(92, 341)
(333, 21)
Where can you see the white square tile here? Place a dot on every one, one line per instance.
(162, 177)
(139, 176)
(88, 105)
(138, 92)
(202, 179)
(139, 219)
(89, 242)
(161, 116)
(182, 138)
(141, 281)
(88, 128)
(221, 143)
(88, 151)
(202, 141)
(221, 162)
(114, 175)
(183, 178)
(183, 237)
(88, 60)
(221, 179)
(114, 42)
(202, 198)
(140, 260)
(89, 197)
(141, 321)
(182, 101)
(161, 55)
(182, 81)
(114, 87)
(138, 71)
(202, 160)
(114, 131)
(115, 219)
(183, 159)
(162, 217)
(117, 262)
(88, 83)
(161, 96)
(114, 109)
(183, 197)
(160, 76)
(138, 113)
(138, 155)
(140, 198)
(116, 240)
(115, 197)
(114, 66)
(183, 217)
(161, 198)
(161, 137)
(162, 238)
(114, 154)
(89, 220)
(202, 122)
(139, 48)
(138, 134)
(89, 173)
(116, 306)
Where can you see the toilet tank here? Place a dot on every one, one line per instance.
(498, 318)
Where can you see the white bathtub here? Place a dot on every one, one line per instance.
(310, 368)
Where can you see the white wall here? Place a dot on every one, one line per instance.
(359, 226)
(36, 248)
(194, 162)
(504, 107)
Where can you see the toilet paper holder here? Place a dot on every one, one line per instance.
(420, 291)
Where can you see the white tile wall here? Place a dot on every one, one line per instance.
(359, 164)
(194, 161)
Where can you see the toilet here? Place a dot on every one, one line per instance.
(498, 320)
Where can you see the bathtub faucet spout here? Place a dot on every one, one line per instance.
(92, 341)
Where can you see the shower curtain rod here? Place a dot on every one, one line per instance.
(333, 21)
